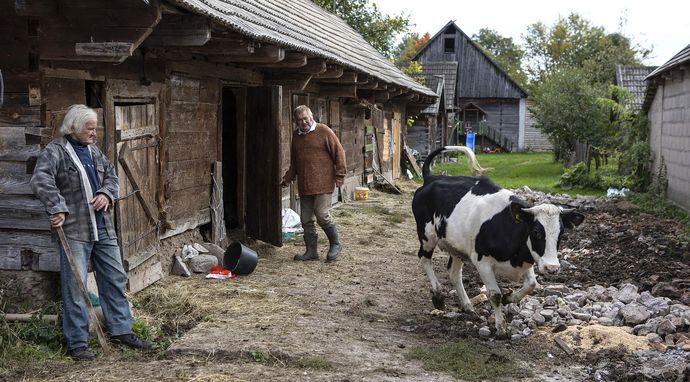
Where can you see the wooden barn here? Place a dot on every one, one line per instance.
(667, 104)
(194, 99)
(430, 130)
(483, 97)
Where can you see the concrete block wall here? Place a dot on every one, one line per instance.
(669, 116)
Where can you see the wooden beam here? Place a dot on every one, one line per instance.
(291, 60)
(263, 54)
(221, 71)
(348, 91)
(216, 48)
(104, 51)
(370, 85)
(346, 78)
(296, 81)
(187, 30)
(35, 8)
(332, 71)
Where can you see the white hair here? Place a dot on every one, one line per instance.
(301, 109)
(75, 119)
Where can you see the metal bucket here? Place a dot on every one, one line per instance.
(240, 259)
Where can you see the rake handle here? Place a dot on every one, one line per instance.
(82, 288)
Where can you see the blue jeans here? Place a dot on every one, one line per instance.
(111, 280)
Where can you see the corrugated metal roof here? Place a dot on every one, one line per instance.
(680, 58)
(304, 26)
(632, 78)
(435, 83)
(449, 71)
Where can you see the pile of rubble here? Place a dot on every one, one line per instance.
(663, 322)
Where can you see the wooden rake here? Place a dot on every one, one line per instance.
(82, 288)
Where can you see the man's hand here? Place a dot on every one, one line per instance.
(57, 219)
(100, 202)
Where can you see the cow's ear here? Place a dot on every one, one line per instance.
(572, 219)
(516, 211)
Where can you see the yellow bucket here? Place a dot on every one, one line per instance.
(361, 193)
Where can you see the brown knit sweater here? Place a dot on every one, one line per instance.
(317, 159)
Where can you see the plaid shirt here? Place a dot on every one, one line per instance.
(57, 183)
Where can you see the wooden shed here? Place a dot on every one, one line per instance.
(484, 97)
(667, 104)
(194, 99)
(632, 79)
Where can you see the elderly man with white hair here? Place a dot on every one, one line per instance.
(78, 186)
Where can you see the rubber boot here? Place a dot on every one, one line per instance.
(310, 242)
(334, 249)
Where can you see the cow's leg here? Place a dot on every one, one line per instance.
(495, 296)
(456, 277)
(436, 288)
(528, 284)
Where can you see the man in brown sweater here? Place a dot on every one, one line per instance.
(317, 160)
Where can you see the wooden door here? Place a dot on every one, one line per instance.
(263, 156)
(136, 132)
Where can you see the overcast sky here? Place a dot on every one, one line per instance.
(662, 25)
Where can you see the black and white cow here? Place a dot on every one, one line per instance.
(473, 219)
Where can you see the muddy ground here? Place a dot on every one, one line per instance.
(361, 318)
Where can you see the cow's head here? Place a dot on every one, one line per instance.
(547, 223)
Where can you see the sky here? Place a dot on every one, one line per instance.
(661, 25)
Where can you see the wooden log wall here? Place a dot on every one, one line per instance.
(191, 140)
(24, 237)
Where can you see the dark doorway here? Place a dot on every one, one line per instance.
(230, 160)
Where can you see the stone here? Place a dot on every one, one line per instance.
(665, 289)
(513, 309)
(634, 314)
(180, 268)
(526, 313)
(484, 331)
(627, 293)
(202, 263)
(550, 300)
(658, 306)
(216, 251)
(200, 248)
(578, 297)
(666, 327)
(605, 321)
(538, 319)
(563, 312)
(654, 338)
(597, 293)
(547, 313)
(559, 290)
(515, 337)
(582, 316)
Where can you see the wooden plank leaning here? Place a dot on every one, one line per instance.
(82, 288)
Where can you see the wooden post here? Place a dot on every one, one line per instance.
(217, 208)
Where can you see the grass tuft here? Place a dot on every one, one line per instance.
(468, 361)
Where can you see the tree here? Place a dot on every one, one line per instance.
(378, 29)
(570, 108)
(574, 42)
(404, 53)
(504, 51)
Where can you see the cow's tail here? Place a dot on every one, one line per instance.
(474, 165)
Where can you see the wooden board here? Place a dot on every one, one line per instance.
(263, 151)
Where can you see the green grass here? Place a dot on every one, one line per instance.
(468, 361)
(538, 171)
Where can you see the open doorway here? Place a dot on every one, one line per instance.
(230, 159)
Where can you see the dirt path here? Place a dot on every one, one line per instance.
(358, 319)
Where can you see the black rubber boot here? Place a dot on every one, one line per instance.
(310, 242)
(334, 249)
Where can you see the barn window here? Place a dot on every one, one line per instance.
(449, 45)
